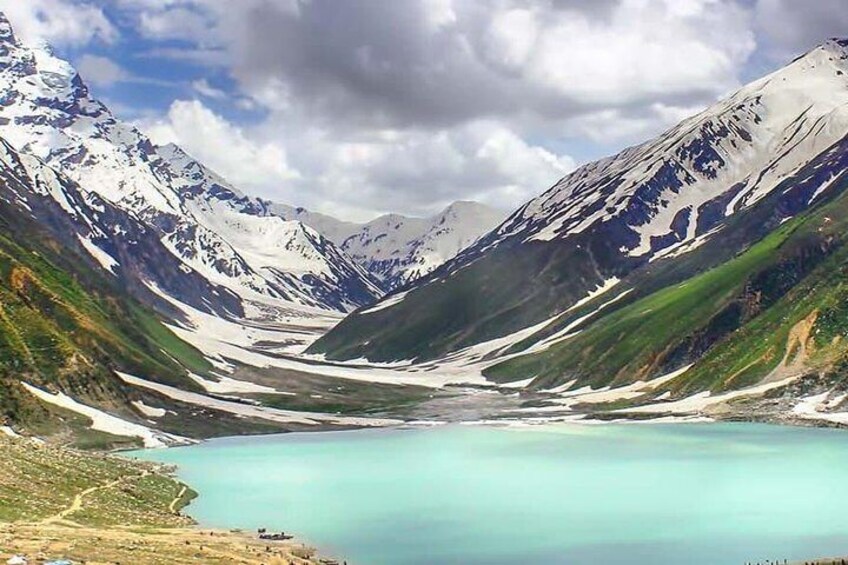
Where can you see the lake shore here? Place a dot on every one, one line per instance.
(319, 515)
(60, 503)
(183, 545)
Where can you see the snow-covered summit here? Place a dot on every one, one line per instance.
(400, 249)
(46, 110)
(666, 192)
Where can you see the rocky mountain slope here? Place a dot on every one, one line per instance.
(66, 322)
(658, 257)
(212, 230)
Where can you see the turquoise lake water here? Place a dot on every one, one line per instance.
(473, 495)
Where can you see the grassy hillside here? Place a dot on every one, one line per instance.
(502, 292)
(57, 503)
(781, 299)
(66, 326)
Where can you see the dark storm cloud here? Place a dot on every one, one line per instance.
(377, 105)
(378, 60)
(398, 64)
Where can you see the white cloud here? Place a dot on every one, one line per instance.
(445, 62)
(203, 88)
(101, 71)
(59, 22)
(649, 50)
(512, 36)
(372, 172)
(172, 22)
(222, 146)
(617, 126)
(791, 27)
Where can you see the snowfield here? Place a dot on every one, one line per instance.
(105, 422)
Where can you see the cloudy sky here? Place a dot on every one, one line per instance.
(355, 108)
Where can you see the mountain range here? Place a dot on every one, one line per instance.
(158, 229)
(252, 249)
(399, 249)
(136, 280)
(711, 248)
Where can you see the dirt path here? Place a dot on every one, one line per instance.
(76, 504)
(173, 506)
(797, 352)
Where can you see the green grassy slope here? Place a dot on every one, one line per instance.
(38, 482)
(481, 301)
(66, 326)
(736, 322)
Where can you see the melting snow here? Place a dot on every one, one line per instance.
(106, 261)
(104, 422)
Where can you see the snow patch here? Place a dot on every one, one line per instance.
(104, 422)
(253, 411)
(150, 411)
(703, 400)
(106, 261)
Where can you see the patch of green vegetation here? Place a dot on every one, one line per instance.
(339, 396)
(757, 348)
(138, 500)
(627, 343)
(44, 482)
(39, 481)
(733, 321)
(188, 355)
(485, 299)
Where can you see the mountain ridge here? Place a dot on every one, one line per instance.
(49, 112)
(401, 249)
(617, 219)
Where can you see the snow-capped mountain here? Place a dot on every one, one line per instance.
(612, 220)
(665, 193)
(232, 241)
(400, 249)
(113, 238)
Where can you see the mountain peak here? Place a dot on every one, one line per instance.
(833, 50)
(463, 205)
(470, 207)
(7, 34)
(837, 43)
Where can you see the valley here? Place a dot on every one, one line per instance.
(630, 331)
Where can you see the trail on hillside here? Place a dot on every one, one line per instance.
(173, 506)
(76, 504)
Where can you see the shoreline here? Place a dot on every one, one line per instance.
(577, 418)
(103, 508)
(799, 423)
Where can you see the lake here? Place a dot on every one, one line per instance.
(560, 494)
